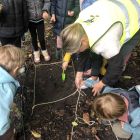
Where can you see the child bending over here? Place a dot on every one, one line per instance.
(123, 106)
(11, 61)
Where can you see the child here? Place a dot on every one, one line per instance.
(38, 12)
(67, 57)
(13, 21)
(11, 61)
(63, 12)
(123, 106)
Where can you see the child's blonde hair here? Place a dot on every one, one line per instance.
(71, 37)
(109, 106)
(11, 57)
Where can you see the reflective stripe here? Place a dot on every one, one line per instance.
(137, 6)
(127, 29)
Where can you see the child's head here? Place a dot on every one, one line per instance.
(109, 106)
(11, 58)
(71, 37)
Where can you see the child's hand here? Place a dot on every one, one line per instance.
(53, 19)
(65, 65)
(70, 13)
(45, 15)
(79, 79)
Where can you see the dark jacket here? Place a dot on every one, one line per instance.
(13, 18)
(36, 8)
(60, 8)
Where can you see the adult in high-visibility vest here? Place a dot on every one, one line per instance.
(110, 29)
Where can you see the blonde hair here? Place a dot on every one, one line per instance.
(71, 37)
(109, 106)
(11, 57)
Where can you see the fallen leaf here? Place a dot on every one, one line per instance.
(127, 77)
(36, 134)
(74, 123)
(93, 130)
(86, 118)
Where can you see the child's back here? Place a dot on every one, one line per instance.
(11, 60)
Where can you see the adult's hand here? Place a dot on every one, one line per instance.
(97, 87)
(53, 19)
(71, 13)
(79, 79)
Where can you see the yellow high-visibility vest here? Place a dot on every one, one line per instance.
(98, 18)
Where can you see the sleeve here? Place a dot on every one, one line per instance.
(134, 130)
(46, 6)
(53, 6)
(96, 62)
(135, 116)
(76, 8)
(114, 70)
(67, 57)
(6, 99)
(82, 59)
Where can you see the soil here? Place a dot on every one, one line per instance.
(62, 107)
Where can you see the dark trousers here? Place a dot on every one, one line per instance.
(13, 41)
(9, 135)
(37, 29)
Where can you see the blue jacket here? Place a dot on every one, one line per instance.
(132, 126)
(87, 3)
(8, 88)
